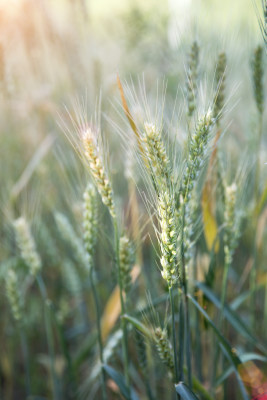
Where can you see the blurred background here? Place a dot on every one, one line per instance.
(54, 51)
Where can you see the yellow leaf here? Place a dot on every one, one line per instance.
(253, 378)
(111, 312)
(209, 221)
(113, 307)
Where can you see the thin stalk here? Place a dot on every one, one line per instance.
(223, 298)
(99, 336)
(123, 309)
(49, 335)
(253, 276)
(258, 167)
(181, 340)
(174, 335)
(197, 326)
(188, 340)
(149, 391)
(72, 376)
(186, 307)
(25, 354)
(224, 290)
(253, 281)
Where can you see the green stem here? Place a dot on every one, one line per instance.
(185, 302)
(49, 335)
(258, 167)
(25, 354)
(99, 336)
(72, 378)
(181, 340)
(188, 341)
(223, 298)
(174, 335)
(224, 290)
(253, 280)
(197, 325)
(123, 308)
(253, 276)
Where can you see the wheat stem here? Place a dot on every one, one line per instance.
(49, 335)
(99, 335)
(123, 308)
(174, 335)
(25, 354)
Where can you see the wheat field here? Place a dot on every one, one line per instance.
(133, 200)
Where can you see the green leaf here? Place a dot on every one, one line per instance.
(120, 381)
(244, 296)
(138, 325)
(233, 358)
(231, 316)
(261, 202)
(183, 390)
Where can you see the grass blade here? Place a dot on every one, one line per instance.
(231, 316)
(234, 359)
(120, 381)
(183, 390)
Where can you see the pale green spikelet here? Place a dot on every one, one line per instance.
(45, 236)
(258, 72)
(27, 246)
(191, 83)
(90, 219)
(12, 291)
(126, 263)
(164, 348)
(191, 219)
(197, 151)
(72, 280)
(232, 222)
(72, 239)
(98, 170)
(220, 84)
(168, 238)
(156, 154)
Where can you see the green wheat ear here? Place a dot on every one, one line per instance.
(258, 72)
(232, 222)
(156, 155)
(192, 74)
(68, 234)
(90, 219)
(163, 347)
(168, 238)
(198, 144)
(98, 170)
(13, 294)
(126, 263)
(220, 84)
(27, 246)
